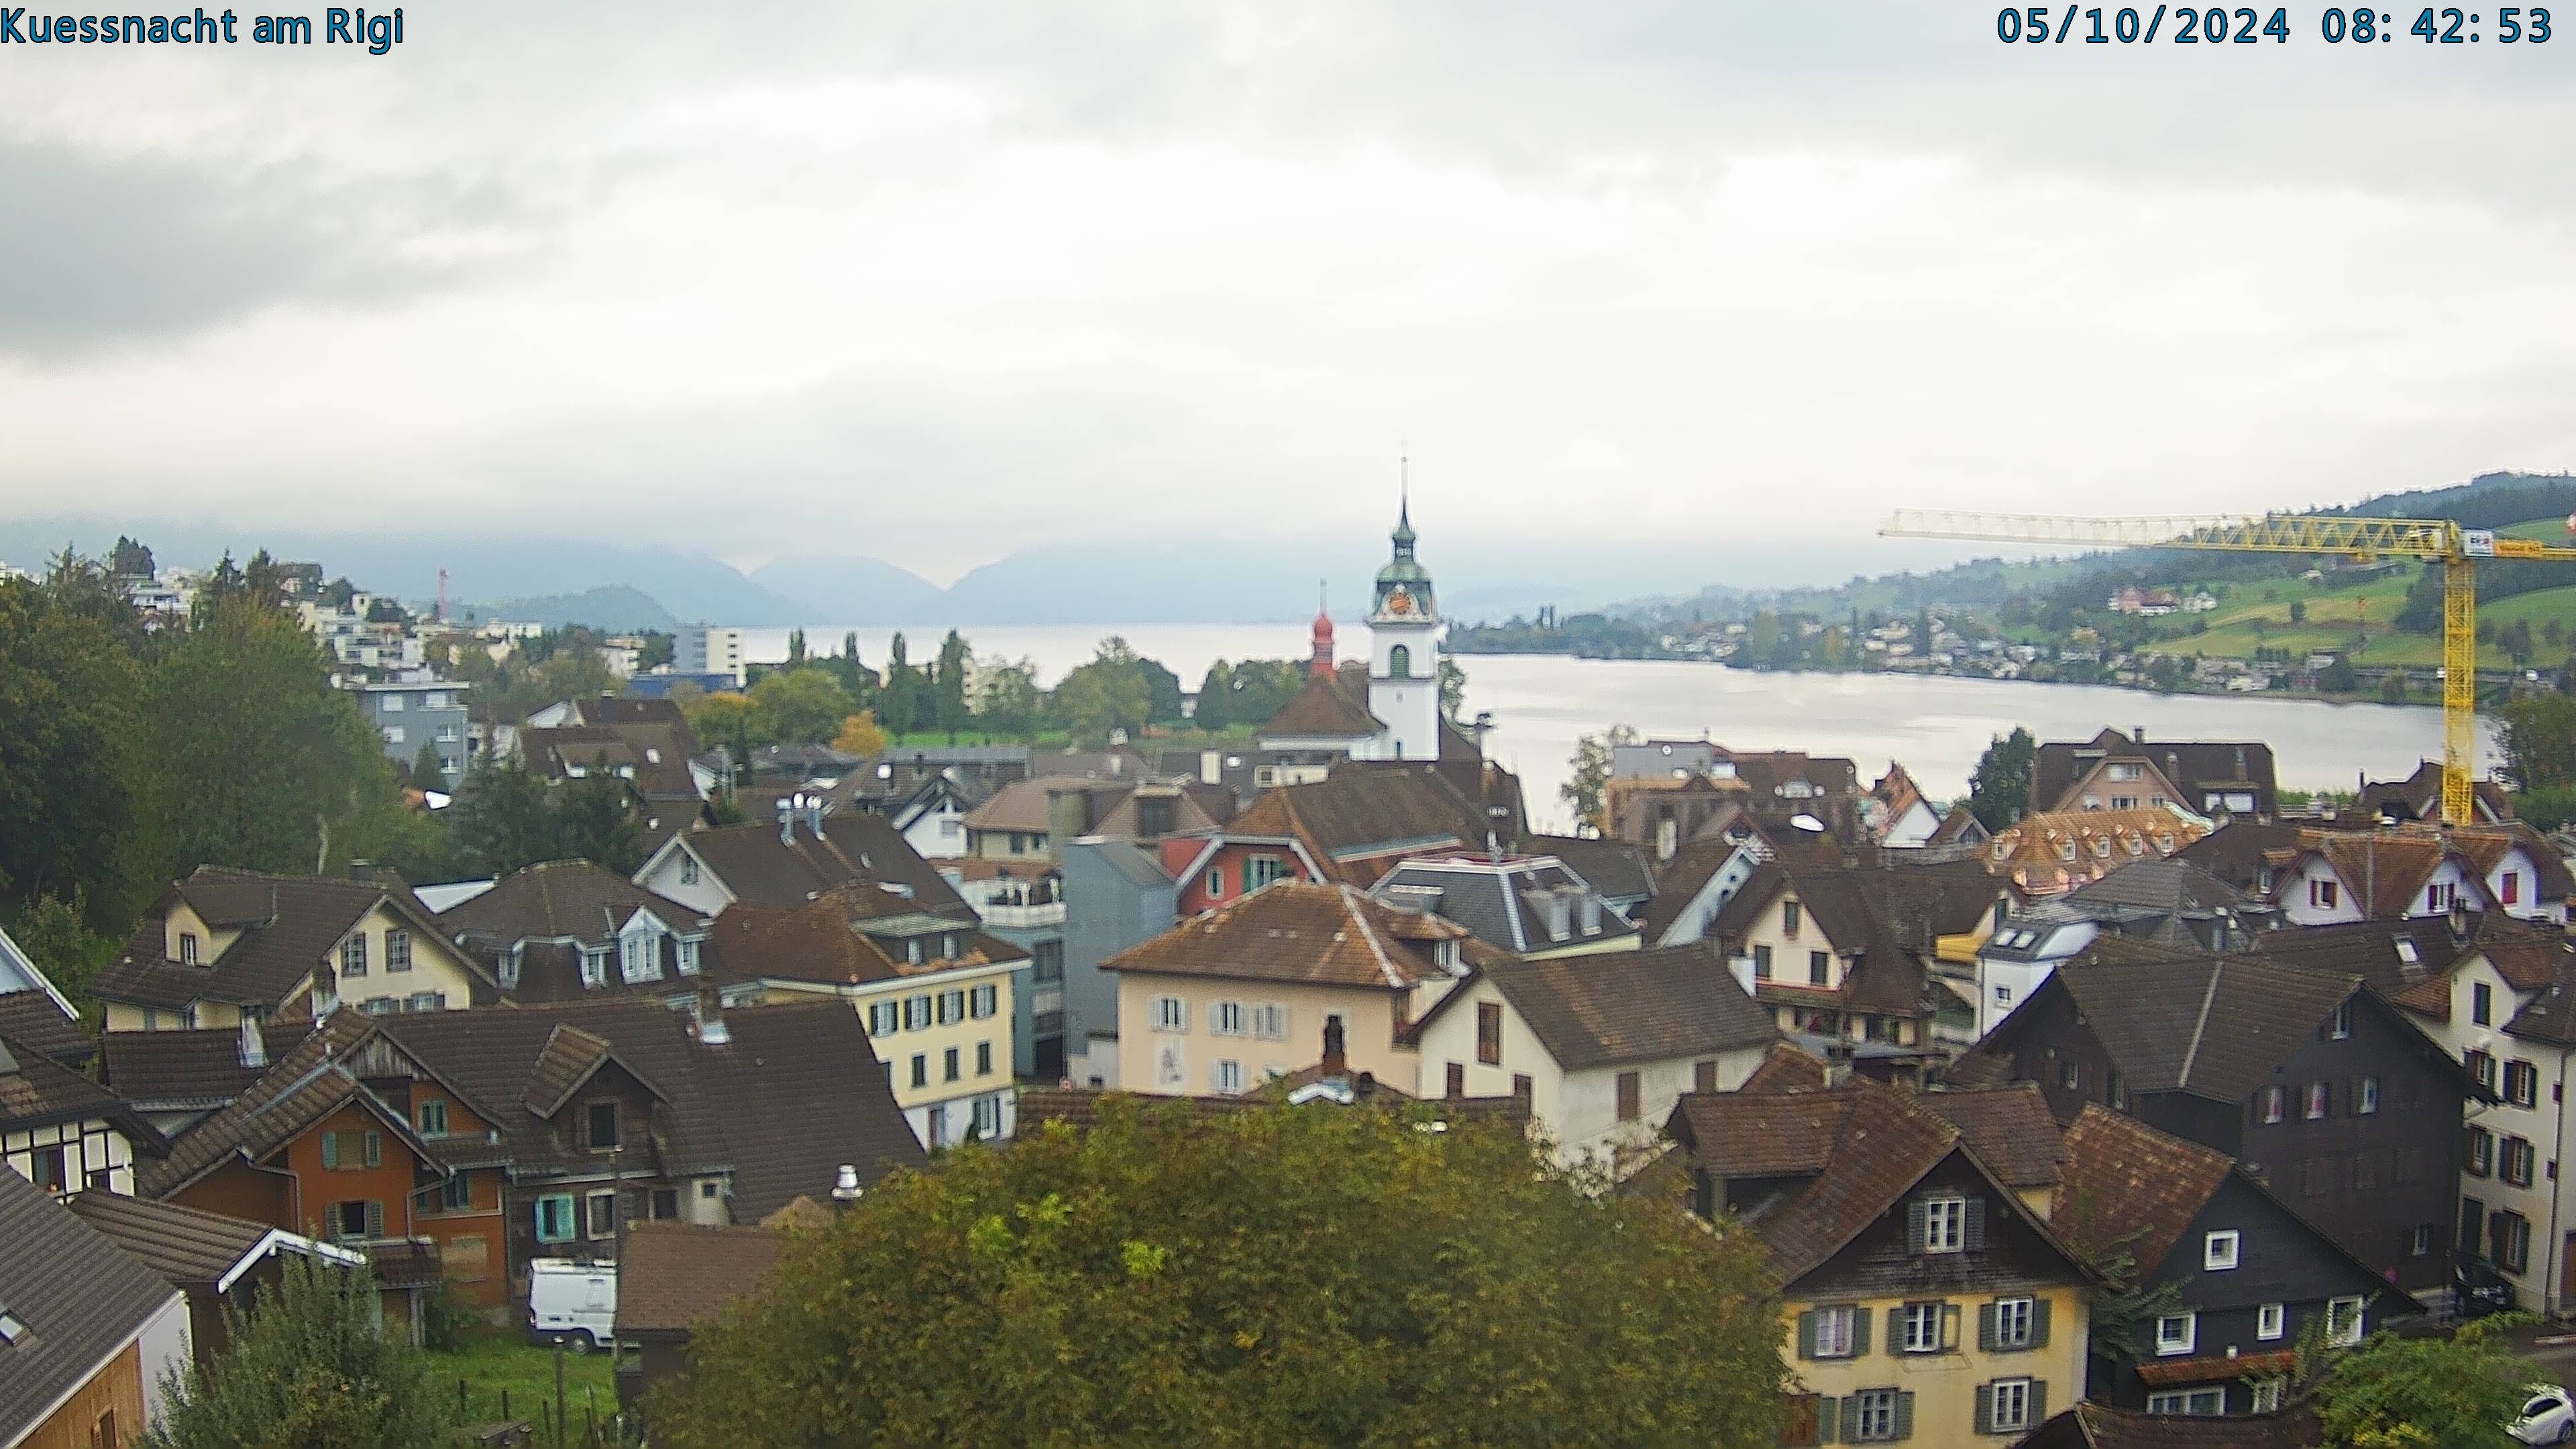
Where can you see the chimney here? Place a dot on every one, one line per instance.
(1741, 967)
(786, 822)
(712, 1030)
(2459, 919)
(254, 1050)
(845, 1187)
(1334, 1063)
(1365, 1087)
(2138, 734)
(362, 870)
(1068, 816)
(1838, 1062)
(815, 806)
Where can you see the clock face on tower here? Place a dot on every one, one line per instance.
(1399, 602)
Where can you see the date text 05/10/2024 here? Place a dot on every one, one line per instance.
(2223, 25)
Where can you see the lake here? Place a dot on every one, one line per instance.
(1937, 727)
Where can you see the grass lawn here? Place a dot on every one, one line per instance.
(489, 1365)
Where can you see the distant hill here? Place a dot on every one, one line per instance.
(851, 589)
(614, 608)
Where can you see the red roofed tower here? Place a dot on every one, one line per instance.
(1320, 663)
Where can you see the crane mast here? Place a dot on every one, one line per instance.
(2435, 541)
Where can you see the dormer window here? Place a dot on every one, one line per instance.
(688, 868)
(1943, 1225)
(1444, 954)
(187, 948)
(643, 959)
(688, 953)
(912, 951)
(594, 965)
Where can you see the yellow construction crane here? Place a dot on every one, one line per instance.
(2433, 540)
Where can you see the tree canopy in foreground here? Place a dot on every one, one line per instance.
(1308, 1275)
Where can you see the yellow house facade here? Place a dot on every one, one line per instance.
(236, 944)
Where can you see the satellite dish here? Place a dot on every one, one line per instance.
(1808, 823)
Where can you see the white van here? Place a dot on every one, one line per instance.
(573, 1304)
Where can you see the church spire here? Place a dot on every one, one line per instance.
(1403, 535)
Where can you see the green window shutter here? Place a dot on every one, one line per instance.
(1986, 1328)
(1949, 1327)
(1974, 1238)
(375, 1218)
(1247, 874)
(1826, 1404)
(1807, 1334)
(1905, 1414)
(330, 1152)
(1895, 1328)
(1851, 1414)
(1860, 1331)
(2039, 1323)
(1985, 1408)
(375, 1149)
(1914, 1226)
(2038, 1402)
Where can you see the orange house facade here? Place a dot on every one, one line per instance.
(1210, 871)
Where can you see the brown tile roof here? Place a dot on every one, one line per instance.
(1627, 1006)
(757, 866)
(305, 1086)
(2194, 766)
(2238, 851)
(201, 1067)
(2130, 1189)
(1296, 931)
(1887, 907)
(1323, 708)
(1361, 819)
(1680, 878)
(2551, 1015)
(192, 1248)
(1786, 1068)
(1081, 1107)
(2376, 951)
(2207, 1025)
(80, 1296)
(37, 1091)
(289, 923)
(2009, 1127)
(2098, 1426)
(2419, 796)
(823, 940)
(568, 1059)
(31, 1019)
(1616, 868)
(1024, 805)
(653, 757)
(676, 1276)
(2034, 852)
(561, 899)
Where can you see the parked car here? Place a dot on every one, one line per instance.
(572, 1304)
(2548, 1417)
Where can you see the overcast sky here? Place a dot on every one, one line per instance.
(968, 276)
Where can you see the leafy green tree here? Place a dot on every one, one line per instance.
(1210, 713)
(1288, 1276)
(2392, 687)
(799, 706)
(2298, 611)
(1262, 687)
(501, 819)
(1007, 700)
(258, 761)
(2436, 1392)
(1162, 692)
(1587, 787)
(593, 819)
(1108, 692)
(308, 1367)
(948, 685)
(904, 696)
(857, 678)
(426, 772)
(130, 559)
(54, 932)
(1999, 791)
(72, 692)
(1453, 686)
(2540, 742)
(795, 648)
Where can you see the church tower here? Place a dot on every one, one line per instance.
(1404, 650)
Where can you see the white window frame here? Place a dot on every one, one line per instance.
(1171, 1013)
(2014, 1321)
(2013, 1391)
(2271, 1321)
(2365, 1097)
(2219, 1250)
(1216, 883)
(1921, 1328)
(2346, 1319)
(885, 1017)
(1226, 1018)
(1270, 1021)
(1873, 1417)
(1229, 1077)
(2267, 1394)
(2203, 1403)
(2173, 1345)
(983, 1001)
(2341, 1029)
(1834, 1330)
(688, 953)
(1945, 1225)
(988, 1116)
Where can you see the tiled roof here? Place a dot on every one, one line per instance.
(2237, 852)
(1300, 932)
(304, 1086)
(1359, 821)
(675, 1276)
(2209, 1025)
(2131, 1189)
(1080, 1107)
(2194, 766)
(289, 925)
(172, 1069)
(2419, 796)
(37, 1091)
(568, 1059)
(757, 866)
(653, 758)
(79, 1295)
(2059, 850)
(822, 940)
(31, 1019)
(192, 1248)
(1616, 868)
(2377, 951)
(572, 899)
(1510, 906)
(2009, 1127)
(2090, 1425)
(1025, 806)
(1628, 1006)
(1680, 878)
(2551, 1015)
(1786, 1068)
(1882, 904)
(1322, 708)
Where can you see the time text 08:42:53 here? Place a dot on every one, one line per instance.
(2225, 25)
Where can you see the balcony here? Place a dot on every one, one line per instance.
(1023, 918)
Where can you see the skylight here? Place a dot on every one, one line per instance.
(12, 1327)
